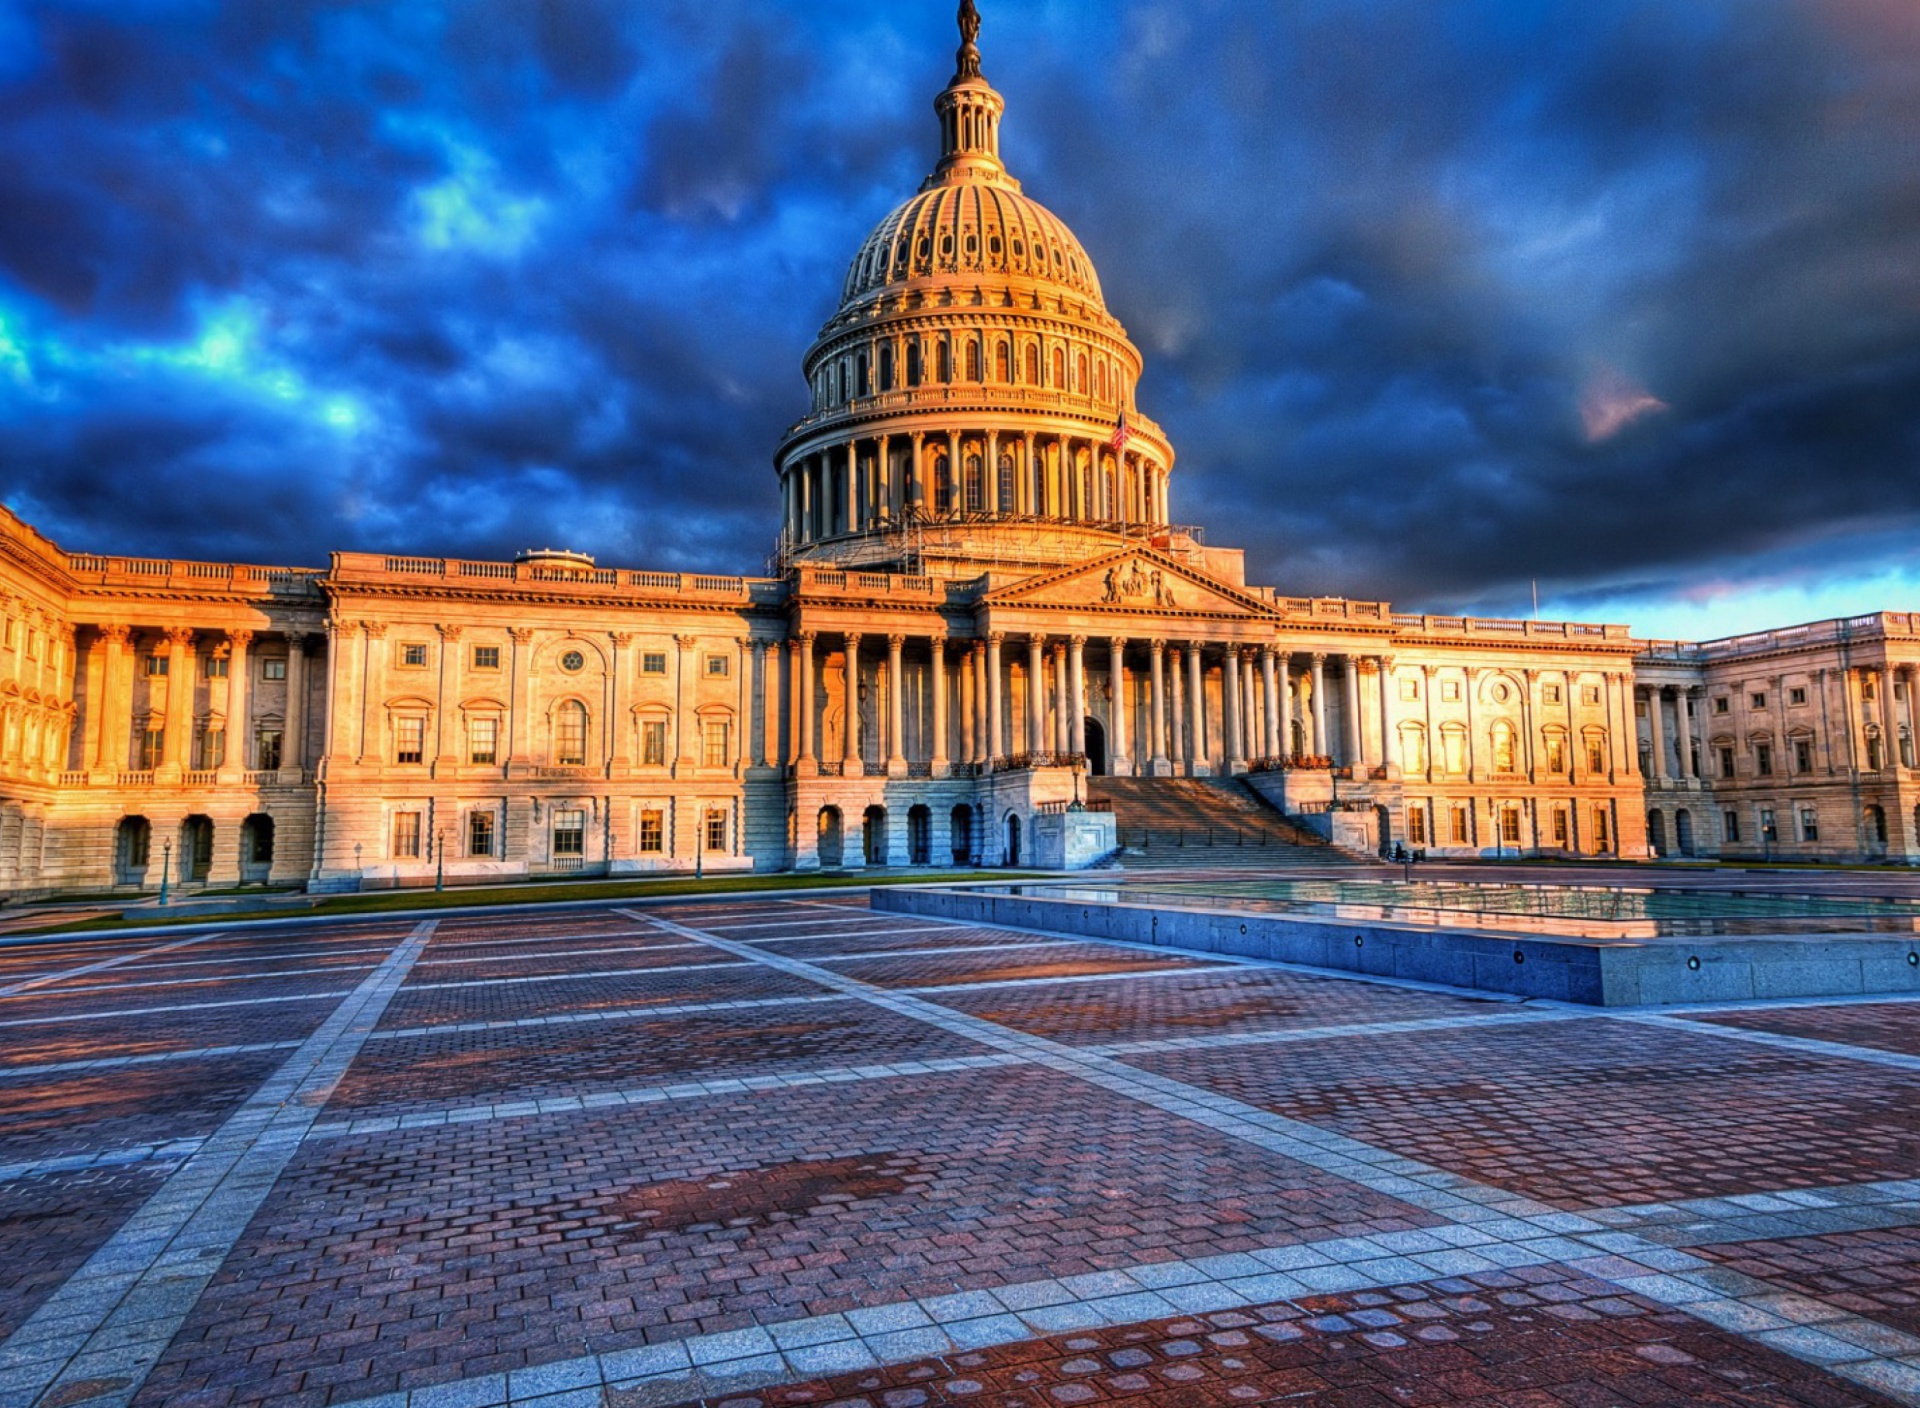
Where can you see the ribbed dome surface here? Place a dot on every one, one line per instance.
(971, 228)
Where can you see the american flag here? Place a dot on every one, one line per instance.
(1119, 440)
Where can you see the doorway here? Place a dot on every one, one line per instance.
(1096, 748)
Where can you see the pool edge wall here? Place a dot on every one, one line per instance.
(1566, 970)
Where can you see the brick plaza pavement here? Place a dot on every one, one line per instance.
(787, 1150)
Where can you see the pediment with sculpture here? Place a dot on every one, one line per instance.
(1135, 580)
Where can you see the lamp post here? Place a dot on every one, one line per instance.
(166, 868)
(700, 850)
(440, 859)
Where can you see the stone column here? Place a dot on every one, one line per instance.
(1320, 740)
(853, 486)
(956, 484)
(1178, 754)
(896, 710)
(239, 705)
(1157, 765)
(941, 764)
(1657, 742)
(1077, 694)
(1356, 751)
(1036, 694)
(914, 490)
(1230, 708)
(1062, 707)
(521, 704)
(173, 747)
(1889, 730)
(982, 741)
(990, 486)
(1269, 675)
(850, 727)
(1024, 485)
(996, 711)
(964, 683)
(1250, 732)
(1120, 749)
(806, 764)
(1389, 743)
(1199, 759)
(373, 692)
(113, 728)
(1283, 702)
(619, 731)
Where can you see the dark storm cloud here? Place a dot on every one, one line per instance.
(1436, 300)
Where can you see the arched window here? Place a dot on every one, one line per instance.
(886, 367)
(1413, 750)
(942, 485)
(1006, 482)
(1453, 750)
(913, 363)
(1003, 362)
(1503, 747)
(1080, 374)
(860, 376)
(570, 734)
(1594, 741)
(1033, 364)
(973, 360)
(1100, 380)
(1086, 488)
(946, 362)
(1059, 368)
(975, 490)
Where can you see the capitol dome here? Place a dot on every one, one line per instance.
(973, 399)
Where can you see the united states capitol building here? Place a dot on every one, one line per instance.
(983, 610)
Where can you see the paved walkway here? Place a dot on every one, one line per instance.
(777, 1151)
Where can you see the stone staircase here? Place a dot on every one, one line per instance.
(1204, 823)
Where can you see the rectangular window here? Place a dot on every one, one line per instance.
(483, 740)
(716, 831)
(406, 835)
(413, 657)
(1602, 831)
(653, 832)
(718, 667)
(1453, 752)
(1756, 700)
(713, 746)
(1732, 821)
(1450, 691)
(1867, 691)
(480, 833)
(409, 740)
(266, 750)
(157, 664)
(1762, 760)
(1561, 831)
(1803, 755)
(1726, 762)
(653, 743)
(216, 666)
(213, 748)
(1416, 826)
(1809, 824)
(1768, 830)
(1556, 753)
(153, 744)
(1460, 826)
(569, 835)
(1409, 690)
(1551, 693)
(1590, 694)
(486, 657)
(1510, 825)
(653, 662)
(1722, 704)
(1596, 755)
(570, 736)
(1797, 695)
(274, 667)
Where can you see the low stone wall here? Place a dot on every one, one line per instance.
(1594, 972)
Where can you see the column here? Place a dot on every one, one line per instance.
(293, 742)
(853, 486)
(1036, 694)
(982, 743)
(1658, 740)
(1283, 702)
(850, 725)
(1198, 757)
(969, 731)
(805, 469)
(1062, 703)
(114, 728)
(1389, 744)
(996, 735)
(1356, 754)
(941, 765)
(956, 486)
(1120, 745)
(896, 711)
(522, 702)
(1889, 730)
(1320, 741)
(1230, 710)
(1024, 485)
(1270, 716)
(990, 486)
(1157, 729)
(1077, 694)
(173, 748)
(239, 705)
(803, 724)
(1177, 721)
(619, 752)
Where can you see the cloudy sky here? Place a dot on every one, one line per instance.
(1438, 297)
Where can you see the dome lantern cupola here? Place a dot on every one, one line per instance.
(969, 113)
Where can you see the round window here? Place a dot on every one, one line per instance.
(1502, 693)
(572, 661)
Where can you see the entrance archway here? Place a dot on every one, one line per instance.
(833, 839)
(1657, 833)
(1683, 831)
(256, 847)
(873, 836)
(196, 848)
(132, 846)
(962, 834)
(1096, 748)
(1012, 856)
(919, 836)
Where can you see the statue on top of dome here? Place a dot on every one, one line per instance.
(969, 32)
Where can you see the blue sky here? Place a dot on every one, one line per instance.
(1437, 300)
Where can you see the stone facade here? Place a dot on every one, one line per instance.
(980, 596)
